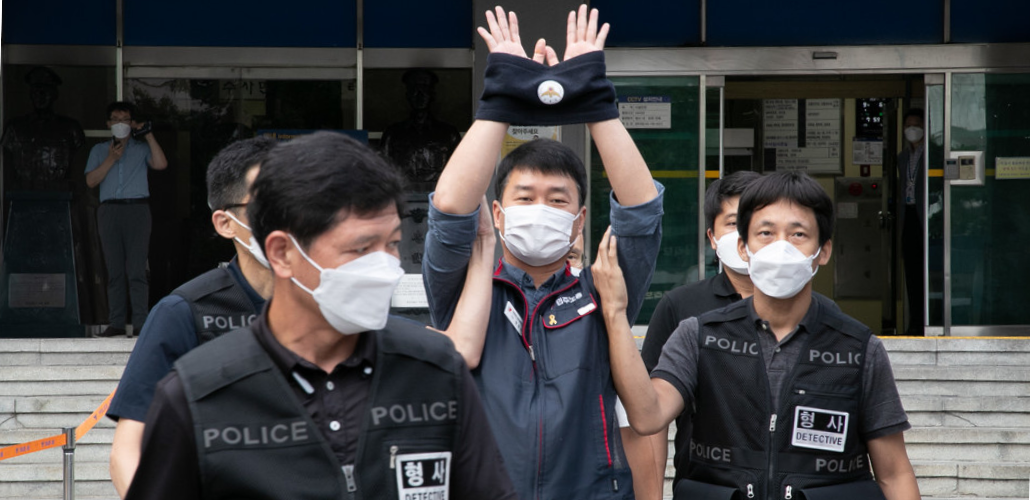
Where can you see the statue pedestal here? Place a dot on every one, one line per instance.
(38, 294)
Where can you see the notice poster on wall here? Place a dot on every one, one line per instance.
(648, 112)
(802, 134)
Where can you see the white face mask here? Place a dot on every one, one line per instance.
(355, 297)
(726, 249)
(914, 134)
(780, 270)
(575, 270)
(537, 234)
(252, 247)
(121, 130)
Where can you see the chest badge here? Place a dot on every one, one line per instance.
(819, 429)
(551, 321)
(424, 475)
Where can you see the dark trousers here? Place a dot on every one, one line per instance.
(912, 253)
(125, 238)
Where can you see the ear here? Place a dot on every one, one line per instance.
(281, 254)
(577, 227)
(742, 250)
(223, 224)
(496, 205)
(711, 239)
(825, 252)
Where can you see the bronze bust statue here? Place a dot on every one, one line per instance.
(40, 145)
(421, 145)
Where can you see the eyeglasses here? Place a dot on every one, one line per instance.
(114, 120)
(233, 205)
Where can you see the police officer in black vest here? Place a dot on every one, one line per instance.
(220, 300)
(791, 398)
(324, 395)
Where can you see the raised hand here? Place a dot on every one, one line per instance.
(582, 35)
(608, 279)
(503, 38)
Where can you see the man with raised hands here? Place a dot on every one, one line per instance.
(542, 363)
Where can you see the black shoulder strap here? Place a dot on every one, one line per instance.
(221, 362)
(409, 338)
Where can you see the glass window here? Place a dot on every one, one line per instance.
(195, 118)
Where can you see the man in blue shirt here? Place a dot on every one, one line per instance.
(173, 327)
(542, 363)
(119, 167)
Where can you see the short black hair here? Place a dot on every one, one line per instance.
(724, 189)
(792, 186)
(305, 183)
(547, 157)
(128, 107)
(227, 172)
(916, 112)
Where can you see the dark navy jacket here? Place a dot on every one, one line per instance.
(545, 373)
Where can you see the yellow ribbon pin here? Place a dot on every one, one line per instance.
(552, 321)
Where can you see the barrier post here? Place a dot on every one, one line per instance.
(69, 463)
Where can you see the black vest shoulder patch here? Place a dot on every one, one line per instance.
(413, 339)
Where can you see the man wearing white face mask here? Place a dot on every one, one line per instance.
(220, 300)
(324, 395)
(119, 167)
(911, 210)
(542, 362)
(781, 386)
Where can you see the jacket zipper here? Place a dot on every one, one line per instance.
(527, 337)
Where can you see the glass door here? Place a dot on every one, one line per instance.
(987, 219)
(978, 172)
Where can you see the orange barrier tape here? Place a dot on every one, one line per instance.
(87, 425)
(46, 443)
(18, 450)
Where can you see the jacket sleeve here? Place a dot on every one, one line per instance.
(168, 467)
(445, 260)
(638, 229)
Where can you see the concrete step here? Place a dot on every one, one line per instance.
(84, 490)
(100, 388)
(958, 352)
(995, 479)
(60, 373)
(962, 373)
(952, 411)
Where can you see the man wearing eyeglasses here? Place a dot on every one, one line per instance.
(220, 300)
(119, 167)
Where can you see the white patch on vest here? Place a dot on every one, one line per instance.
(819, 429)
(513, 316)
(550, 92)
(585, 309)
(424, 476)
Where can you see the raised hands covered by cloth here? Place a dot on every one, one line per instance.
(544, 90)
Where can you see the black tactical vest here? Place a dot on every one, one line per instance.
(256, 441)
(812, 440)
(218, 303)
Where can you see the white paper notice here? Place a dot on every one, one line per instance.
(654, 112)
(866, 152)
(410, 292)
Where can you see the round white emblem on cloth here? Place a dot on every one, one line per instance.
(550, 92)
